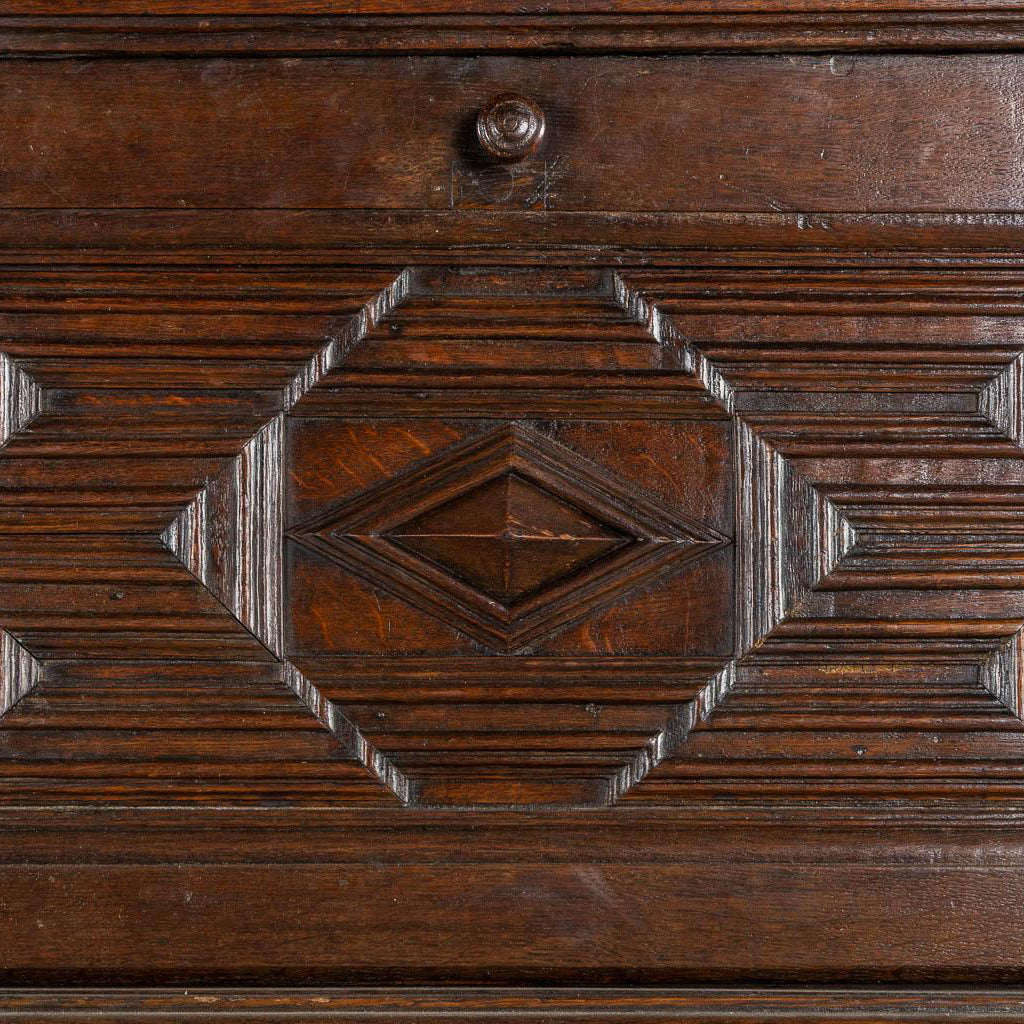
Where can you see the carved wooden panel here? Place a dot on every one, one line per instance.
(510, 537)
(879, 617)
(518, 590)
(499, 559)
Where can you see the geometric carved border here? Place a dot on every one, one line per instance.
(226, 539)
(796, 539)
(800, 540)
(792, 538)
(103, 433)
(230, 539)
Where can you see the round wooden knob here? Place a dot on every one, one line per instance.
(510, 127)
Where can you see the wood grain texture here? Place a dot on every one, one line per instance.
(846, 698)
(560, 924)
(578, 586)
(591, 1006)
(219, 30)
(902, 144)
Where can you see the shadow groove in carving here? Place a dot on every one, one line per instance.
(20, 673)
(21, 399)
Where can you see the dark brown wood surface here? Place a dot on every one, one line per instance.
(726, 133)
(583, 584)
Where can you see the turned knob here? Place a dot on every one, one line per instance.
(510, 127)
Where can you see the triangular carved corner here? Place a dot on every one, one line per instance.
(793, 537)
(21, 399)
(229, 536)
(832, 536)
(687, 717)
(1001, 401)
(340, 344)
(20, 673)
(682, 352)
(1002, 673)
(351, 739)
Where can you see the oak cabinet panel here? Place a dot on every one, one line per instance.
(871, 133)
(511, 514)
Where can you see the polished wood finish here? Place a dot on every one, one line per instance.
(591, 1006)
(874, 134)
(510, 127)
(582, 586)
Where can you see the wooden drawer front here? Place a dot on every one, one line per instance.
(730, 133)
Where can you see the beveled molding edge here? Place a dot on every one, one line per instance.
(44, 29)
(579, 1005)
(123, 234)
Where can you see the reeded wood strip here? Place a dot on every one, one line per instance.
(183, 734)
(677, 29)
(420, 8)
(760, 564)
(316, 236)
(588, 1006)
(479, 1005)
(256, 600)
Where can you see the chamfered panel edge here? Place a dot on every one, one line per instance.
(580, 1005)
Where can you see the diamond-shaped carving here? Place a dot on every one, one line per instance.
(873, 649)
(507, 537)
